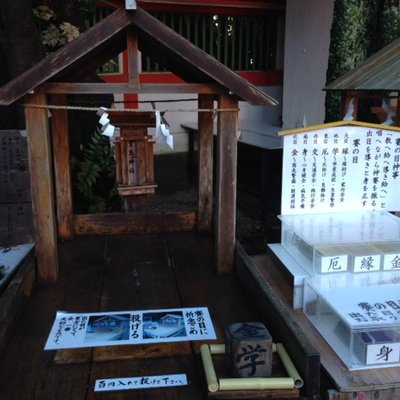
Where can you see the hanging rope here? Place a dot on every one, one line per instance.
(80, 108)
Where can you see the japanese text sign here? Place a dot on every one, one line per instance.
(341, 168)
(130, 327)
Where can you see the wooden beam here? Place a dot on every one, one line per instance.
(41, 169)
(128, 223)
(205, 164)
(107, 88)
(62, 170)
(75, 55)
(226, 184)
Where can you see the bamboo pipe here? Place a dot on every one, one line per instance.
(217, 348)
(294, 379)
(255, 383)
(211, 377)
(290, 368)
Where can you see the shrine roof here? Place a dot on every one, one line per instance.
(105, 40)
(378, 72)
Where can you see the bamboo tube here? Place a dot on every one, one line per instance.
(211, 377)
(290, 368)
(255, 383)
(217, 348)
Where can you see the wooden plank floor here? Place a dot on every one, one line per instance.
(120, 273)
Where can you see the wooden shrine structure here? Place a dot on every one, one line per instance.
(375, 79)
(45, 88)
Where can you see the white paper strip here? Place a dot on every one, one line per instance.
(140, 382)
(130, 327)
(104, 119)
(101, 111)
(163, 134)
(108, 130)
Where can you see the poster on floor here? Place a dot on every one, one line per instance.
(72, 330)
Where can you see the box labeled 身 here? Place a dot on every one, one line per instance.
(358, 315)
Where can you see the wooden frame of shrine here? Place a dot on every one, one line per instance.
(45, 87)
(374, 79)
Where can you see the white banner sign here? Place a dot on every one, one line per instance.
(140, 382)
(342, 168)
(130, 327)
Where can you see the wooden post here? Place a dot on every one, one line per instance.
(205, 169)
(42, 189)
(62, 170)
(226, 184)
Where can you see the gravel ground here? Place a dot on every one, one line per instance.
(253, 230)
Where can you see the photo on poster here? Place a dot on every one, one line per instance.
(163, 325)
(104, 328)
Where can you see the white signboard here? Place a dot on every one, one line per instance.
(341, 168)
(140, 382)
(130, 327)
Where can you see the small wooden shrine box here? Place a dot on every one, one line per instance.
(134, 155)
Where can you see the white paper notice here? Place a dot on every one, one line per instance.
(342, 168)
(140, 382)
(130, 327)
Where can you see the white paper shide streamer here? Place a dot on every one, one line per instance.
(106, 128)
(162, 134)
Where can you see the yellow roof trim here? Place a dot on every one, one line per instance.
(338, 123)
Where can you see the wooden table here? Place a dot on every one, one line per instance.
(337, 382)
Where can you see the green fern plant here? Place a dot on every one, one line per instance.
(95, 176)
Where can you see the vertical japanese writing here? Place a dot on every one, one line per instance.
(341, 168)
(196, 323)
(314, 171)
(132, 163)
(303, 176)
(251, 358)
(345, 152)
(293, 173)
(386, 157)
(396, 160)
(136, 324)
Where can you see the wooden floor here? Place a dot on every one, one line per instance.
(112, 274)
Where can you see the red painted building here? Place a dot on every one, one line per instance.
(244, 35)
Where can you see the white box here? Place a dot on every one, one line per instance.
(346, 241)
(358, 315)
